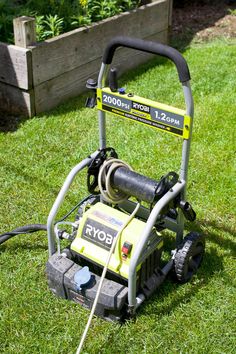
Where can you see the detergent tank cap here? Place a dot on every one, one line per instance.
(82, 277)
(121, 90)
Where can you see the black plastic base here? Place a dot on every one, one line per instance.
(113, 297)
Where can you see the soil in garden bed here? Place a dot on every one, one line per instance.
(203, 20)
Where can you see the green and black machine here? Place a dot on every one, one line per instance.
(120, 224)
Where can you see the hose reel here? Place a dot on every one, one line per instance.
(116, 181)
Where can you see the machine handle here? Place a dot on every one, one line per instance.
(149, 47)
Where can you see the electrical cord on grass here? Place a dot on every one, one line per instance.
(31, 228)
(27, 229)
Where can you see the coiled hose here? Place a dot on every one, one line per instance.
(104, 179)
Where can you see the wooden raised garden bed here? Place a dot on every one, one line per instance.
(35, 77)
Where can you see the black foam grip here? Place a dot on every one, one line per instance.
(149, 47)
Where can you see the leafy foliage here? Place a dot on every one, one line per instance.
(55, 25)
(57, 16)
(6, 17)
(232, 12)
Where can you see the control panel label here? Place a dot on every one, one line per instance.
(154, 114)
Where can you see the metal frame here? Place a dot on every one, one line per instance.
(180, 187)
(61, 196)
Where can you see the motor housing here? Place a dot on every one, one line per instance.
(97, 229)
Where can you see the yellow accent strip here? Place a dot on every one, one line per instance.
(142, 100)
(187, 126)
(121, 113)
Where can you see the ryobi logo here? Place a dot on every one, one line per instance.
(99, 234)
(140, 107)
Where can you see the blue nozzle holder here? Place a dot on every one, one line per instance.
(82, 277)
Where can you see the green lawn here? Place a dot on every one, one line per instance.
(198, 317)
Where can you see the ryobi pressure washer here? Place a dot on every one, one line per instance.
(111, 229)
(134, 269)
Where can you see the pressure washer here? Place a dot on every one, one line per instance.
(113, 256)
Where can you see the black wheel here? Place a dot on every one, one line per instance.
(189, 256)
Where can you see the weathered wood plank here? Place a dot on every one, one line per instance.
(16, 101)
(170, 12)
(24, 31)
(70, 84)
(73, 49)
(15, 66)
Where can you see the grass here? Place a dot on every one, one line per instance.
(198, 317)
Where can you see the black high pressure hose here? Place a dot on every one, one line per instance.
(27, 229)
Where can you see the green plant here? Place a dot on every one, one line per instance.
(129, 4)
(47, 27)
(6, 28)
(82, 17)
(56, 16)
(53, 26)
(80, 20)
(232, 12)
(100, 10)
(6, 19)
(39, 21)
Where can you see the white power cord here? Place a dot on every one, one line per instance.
(109, 194)
(131, 216)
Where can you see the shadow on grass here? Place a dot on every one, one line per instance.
(169, 296)
(29, 178)
(214, 237)
(212, 264)
(10, 122)
(213, 234)
(23, 245)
